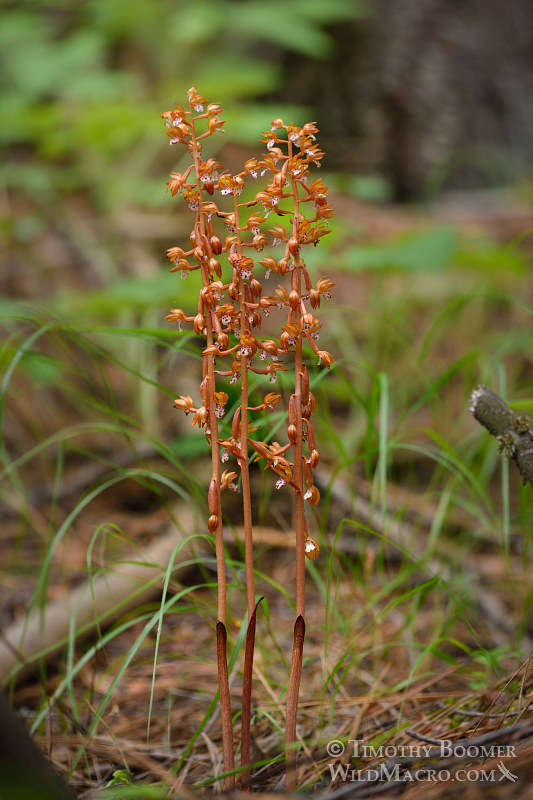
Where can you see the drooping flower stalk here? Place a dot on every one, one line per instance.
(234, 307)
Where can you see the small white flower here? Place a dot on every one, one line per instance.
(307, 495)
(199, 108)
(234, 378)
(280, 482)
(219, 411)
(225, 319)
(246, 274)
(272, 378)
(262, 356)
(184, 274)
(224, 456)
(267, 276)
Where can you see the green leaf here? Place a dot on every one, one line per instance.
(231, 76)
(428, 250)
(292, 25)
(130, 294)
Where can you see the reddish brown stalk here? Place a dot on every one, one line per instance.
(247, 697)
(300, 527)
(243, 461)
(222, 660)
(299, 515)
(248, 535)
(225, 705)
(292, 701)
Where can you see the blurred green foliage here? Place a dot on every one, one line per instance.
(82, 84)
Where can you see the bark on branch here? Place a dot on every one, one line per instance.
(514, 434)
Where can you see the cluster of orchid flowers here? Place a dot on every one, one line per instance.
(222, 301)
(231, 307)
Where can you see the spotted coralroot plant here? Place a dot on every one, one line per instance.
(235, 246)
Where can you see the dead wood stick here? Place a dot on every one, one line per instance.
(514, 434)
(124, 586)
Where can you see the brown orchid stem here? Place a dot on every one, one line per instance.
(247, 698)
(222, 660)
(300, 531)
(292, 701)
(246, 717)
(299, 510)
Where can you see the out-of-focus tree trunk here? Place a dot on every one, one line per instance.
(426, 91)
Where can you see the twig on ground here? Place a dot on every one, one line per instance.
(514, 434)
